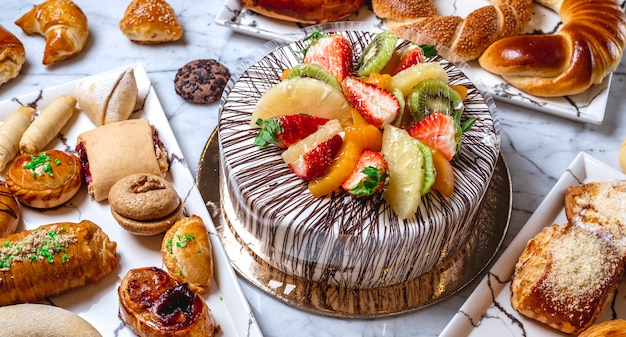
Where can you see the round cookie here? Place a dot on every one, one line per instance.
(201, 81)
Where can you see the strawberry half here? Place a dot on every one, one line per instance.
(369, 174)
(283, 131)
(409, 55)
(440, 131)
(377, 105)
(310, 157)
(332, 52)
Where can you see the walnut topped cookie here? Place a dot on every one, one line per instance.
(145, 204)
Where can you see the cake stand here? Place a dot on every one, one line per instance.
(444, 280)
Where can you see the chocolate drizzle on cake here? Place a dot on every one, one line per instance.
(338, 239)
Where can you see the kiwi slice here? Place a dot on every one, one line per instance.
(377, 53)
(314, 71)
(429, 168)
(398, 93)
(433, 95)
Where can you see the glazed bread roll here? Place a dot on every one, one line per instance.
(108, 98)
(47, 180)
(187, 253)
(62, 23)
(41, 320)
(52, 260)
(150, 22)
(419, 21)
(566, 275)
(9, 211)
(304, 11)
(152, 304)
(117, 150)
(12, 55)
(587, 48)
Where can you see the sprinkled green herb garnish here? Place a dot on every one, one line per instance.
(36, 246)
(40, 165)
(182, 240)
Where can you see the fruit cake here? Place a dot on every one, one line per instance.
(337, 167)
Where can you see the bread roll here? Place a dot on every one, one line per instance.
(153, 304)
(304, 11)
(52, 260)
(566, 275)
(12, 55)
(30, 319)
(108, 98)
(63, 24)
(187, 253)
(587, 48)
(150, 22)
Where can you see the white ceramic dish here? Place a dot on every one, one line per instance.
(588, 107)
(98, 303)
(487, 312)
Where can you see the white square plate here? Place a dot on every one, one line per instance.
(588, 107)
(98, 303)
(487, 312)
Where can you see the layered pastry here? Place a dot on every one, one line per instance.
(338, 239)
(152, 304)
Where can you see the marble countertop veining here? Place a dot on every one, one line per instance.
(538, 147)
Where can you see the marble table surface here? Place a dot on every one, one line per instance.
(538, 147)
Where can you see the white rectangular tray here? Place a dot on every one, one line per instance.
(487, 312)
(98, 303)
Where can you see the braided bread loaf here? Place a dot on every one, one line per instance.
(587, 48)
(468, 37)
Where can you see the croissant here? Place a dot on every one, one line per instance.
(52, 260)
(587, 48)
(12, 55)
(419, 21)
(47, 124)
(63, 24)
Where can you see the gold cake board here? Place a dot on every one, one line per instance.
(444, 280)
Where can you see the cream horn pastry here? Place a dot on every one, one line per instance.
(47, 124)
(11, 131)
